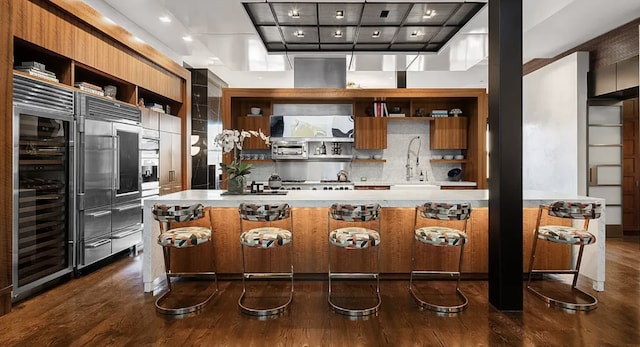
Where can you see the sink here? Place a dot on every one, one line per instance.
(413, 186)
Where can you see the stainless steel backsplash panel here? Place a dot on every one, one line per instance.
(310, 170)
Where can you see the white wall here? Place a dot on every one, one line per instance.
(554, 108)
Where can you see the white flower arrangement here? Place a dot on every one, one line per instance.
(232, 140)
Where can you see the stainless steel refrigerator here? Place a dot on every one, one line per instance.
(43, 184)
(109, 178)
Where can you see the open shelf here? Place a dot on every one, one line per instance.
(125, 91)
(454, 161)
(145, 97)
(59, 65)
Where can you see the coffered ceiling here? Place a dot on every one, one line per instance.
(223, 36)
(359, 27)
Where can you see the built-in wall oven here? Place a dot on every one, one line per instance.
(43, 184)
(109, 178)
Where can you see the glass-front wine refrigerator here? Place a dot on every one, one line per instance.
(43, 181)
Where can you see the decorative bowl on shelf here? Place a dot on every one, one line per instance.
(436, 157)
(448, 157)
(377, 156)
(454, 174)
(459, 157)
(363, 156)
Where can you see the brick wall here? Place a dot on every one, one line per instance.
(609, 48)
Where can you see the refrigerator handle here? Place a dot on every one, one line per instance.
(116, 161)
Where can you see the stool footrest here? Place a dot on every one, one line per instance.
(441, 308)
(422, 272)
(588, 306)
(268, 275)
(356, 312)
(191, 274)
(565, 272)
(187, 309)
(347, 275)
(266, 311)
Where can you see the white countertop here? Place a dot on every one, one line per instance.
(435, 183)
(386, 198)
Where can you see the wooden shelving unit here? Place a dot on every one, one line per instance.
(371, 132)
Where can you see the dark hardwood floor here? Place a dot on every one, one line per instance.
(108, 308)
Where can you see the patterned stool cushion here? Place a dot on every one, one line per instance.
(354, 237)
(566, 234)
(265, 237)
(184, 237)
(441, 236)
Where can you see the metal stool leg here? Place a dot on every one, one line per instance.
(350, 311)
(434, 307)
(245, 276)
(591, 303)
(181, 310)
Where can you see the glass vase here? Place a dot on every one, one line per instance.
(236, 184)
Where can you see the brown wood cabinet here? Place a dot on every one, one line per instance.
(448, 133)
(169, 167)
(370, 133)
(253, 123)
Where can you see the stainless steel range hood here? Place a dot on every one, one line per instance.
(319, 72)
(311, 128)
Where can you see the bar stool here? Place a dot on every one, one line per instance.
(182, 237)
(440, 236)
(568, 235)
(265, 237)
(355, 238)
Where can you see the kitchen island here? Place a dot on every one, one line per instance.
(310, 231)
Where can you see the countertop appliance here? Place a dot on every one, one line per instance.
(43, 184)
(109, 178)
(289, 150)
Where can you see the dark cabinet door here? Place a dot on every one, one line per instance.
(127, 160)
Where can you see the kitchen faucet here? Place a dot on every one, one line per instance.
(408, 165)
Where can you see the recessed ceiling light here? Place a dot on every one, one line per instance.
(165, 19)
(294, 13)
(187, 38)
(339, 14)
(337, 33)
(375, 34)
(428, 14)
(299, 33)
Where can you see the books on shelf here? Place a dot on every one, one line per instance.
(440, 113)
(154, 107)
(90, 88)
(380, 109)
(33, 68)
(33, 64)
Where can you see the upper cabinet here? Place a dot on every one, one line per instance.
(448, 133)
(253, 123)
(370, 133)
